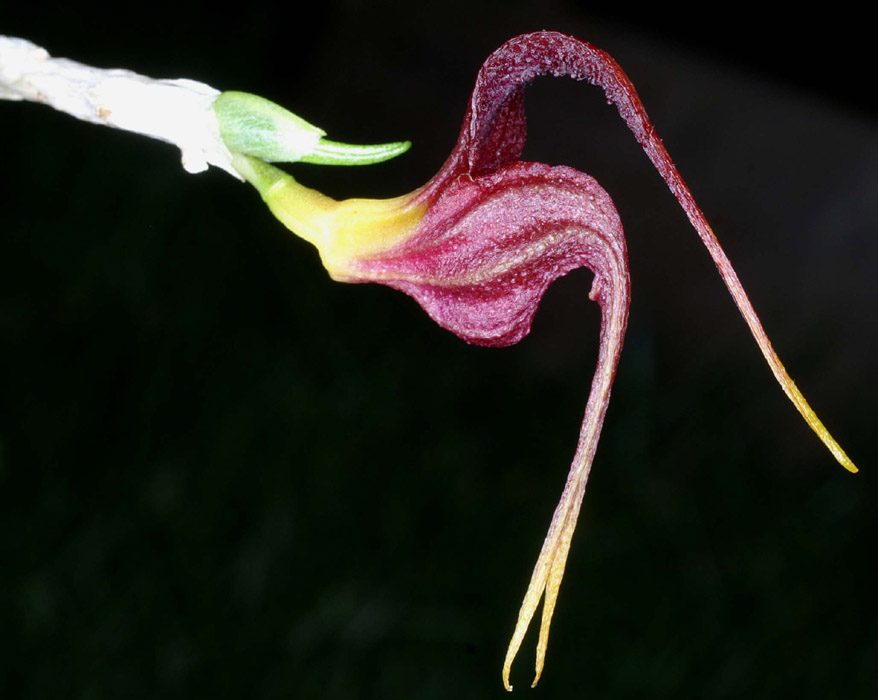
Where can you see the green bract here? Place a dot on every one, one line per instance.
(257, 127)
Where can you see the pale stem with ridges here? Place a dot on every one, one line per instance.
(207, 125)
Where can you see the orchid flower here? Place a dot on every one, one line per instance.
(478, 245)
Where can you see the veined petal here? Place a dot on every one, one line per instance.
(488, 248)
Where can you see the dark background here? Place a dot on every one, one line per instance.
(223, 475)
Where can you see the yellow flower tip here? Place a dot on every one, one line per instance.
(515, 643)
(835, 448)
(506, 683)
(793, 394)
(512, 651)
(537, 676)
(826, 438)
(838, 453)
(547, 575)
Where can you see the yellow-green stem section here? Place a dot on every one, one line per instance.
(342, 231)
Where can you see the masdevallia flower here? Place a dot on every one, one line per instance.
(478, 245)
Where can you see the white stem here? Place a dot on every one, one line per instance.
(176, 111)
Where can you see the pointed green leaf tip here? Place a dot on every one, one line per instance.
(257, 127)
(332, 153)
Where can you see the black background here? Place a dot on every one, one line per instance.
(223, 475)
